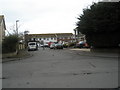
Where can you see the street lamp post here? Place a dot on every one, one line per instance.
(17, 47)
(17, 26)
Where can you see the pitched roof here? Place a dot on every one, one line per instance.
(42, 35)
(50, 34)
(63, 34)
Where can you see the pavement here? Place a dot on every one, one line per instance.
(87, 52)
(21, 55)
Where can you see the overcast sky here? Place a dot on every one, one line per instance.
(43, 16)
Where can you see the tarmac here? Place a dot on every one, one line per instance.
(84, 52)
(67, 68)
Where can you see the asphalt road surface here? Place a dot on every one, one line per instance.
(61, 69)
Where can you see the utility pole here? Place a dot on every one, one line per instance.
(17, 27)
(17, 47)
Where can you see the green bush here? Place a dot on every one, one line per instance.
(9, 44)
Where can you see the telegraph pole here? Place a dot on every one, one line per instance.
(17, 27)
(17, 47)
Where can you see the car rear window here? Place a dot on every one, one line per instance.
(31, 43)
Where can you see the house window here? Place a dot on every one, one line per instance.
(68, 37)
(36, 39)
(32, 39)
(47, 38)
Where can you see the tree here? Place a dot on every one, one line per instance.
(100, 23)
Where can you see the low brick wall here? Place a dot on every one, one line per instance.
(9, 55)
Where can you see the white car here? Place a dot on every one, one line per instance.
(32, 46)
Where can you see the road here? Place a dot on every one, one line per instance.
(61, 69)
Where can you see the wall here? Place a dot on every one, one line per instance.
(1, 32)
(2, 29)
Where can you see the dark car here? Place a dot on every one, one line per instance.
(81, 44)
(58, 46)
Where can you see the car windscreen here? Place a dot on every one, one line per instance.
(31, 43)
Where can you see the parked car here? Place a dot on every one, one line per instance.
(58, 46)
(65, 45)
(81, 44)
(32, 46)
(52, 46)
(41, 45)
(46, 45)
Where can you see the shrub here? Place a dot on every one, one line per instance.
(9, 44)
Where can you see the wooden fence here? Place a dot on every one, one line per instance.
(21, 46)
